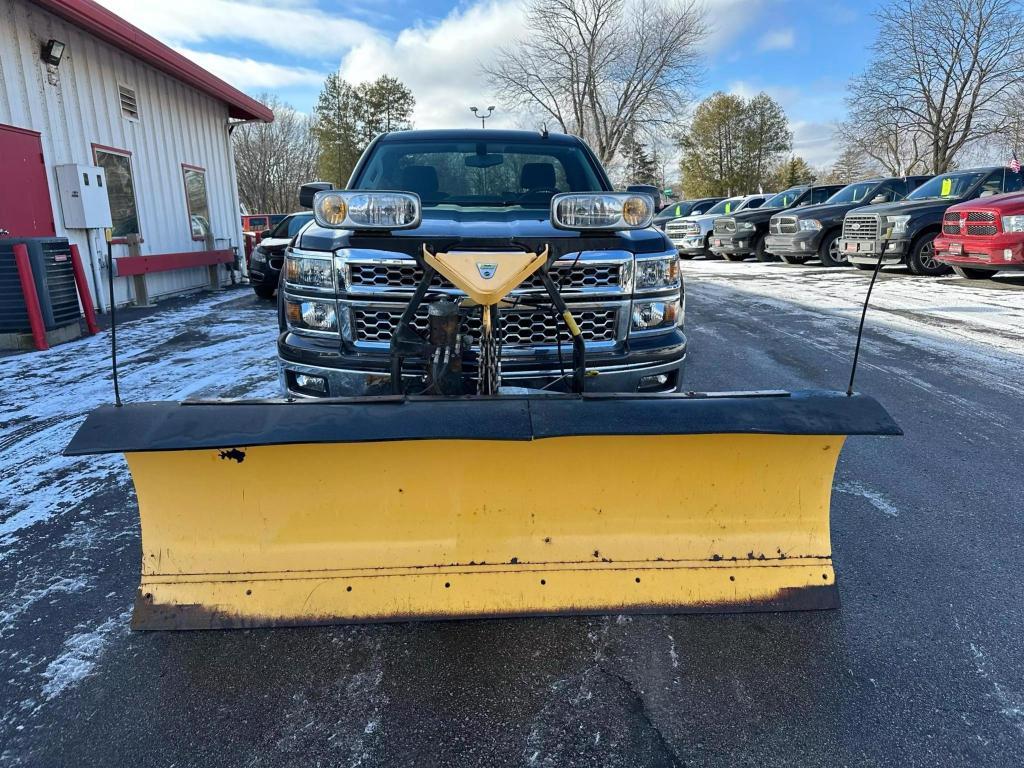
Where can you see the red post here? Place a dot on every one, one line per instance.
(28, 289)
(83, 291)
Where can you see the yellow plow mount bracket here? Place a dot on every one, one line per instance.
(487, 277)
(479, 507)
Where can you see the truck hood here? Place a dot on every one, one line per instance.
(910, 207)
(823, 211)
(486, 228)
(755, 215)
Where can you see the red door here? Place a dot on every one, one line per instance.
(24, 190)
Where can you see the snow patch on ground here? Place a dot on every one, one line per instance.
(877, 500)
(81, 653)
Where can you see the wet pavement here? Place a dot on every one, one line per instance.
(922, 665)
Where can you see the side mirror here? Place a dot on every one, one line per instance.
(264, 234)
(308, 191)
(879, 199)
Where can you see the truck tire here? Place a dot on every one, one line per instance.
(709, 255)
(793, 259)
(760, 253)
(735, 256)
(263, 291)
(974, 274)
(865, 267)
(686, 256)
(829, 252)
(921, 258)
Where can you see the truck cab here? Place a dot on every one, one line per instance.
(738, 237)
(813, 231)
(907, 229)
(343, 291)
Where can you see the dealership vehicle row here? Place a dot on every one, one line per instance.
(970, 221)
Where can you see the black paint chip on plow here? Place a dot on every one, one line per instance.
(234, 454)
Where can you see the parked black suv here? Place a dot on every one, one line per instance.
(268, 256)
(915, 221)
(743, 234)
(813, 231)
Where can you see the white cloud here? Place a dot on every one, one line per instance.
(777, 40)
(278, 24)
(251, 75)
(441, 63)
(814, 142)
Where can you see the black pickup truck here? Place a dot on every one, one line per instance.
(908, 228)
(344, 290)
(743, 235)
(813, 231)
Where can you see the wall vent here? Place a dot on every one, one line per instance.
(129, 102)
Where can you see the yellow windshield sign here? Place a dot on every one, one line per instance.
(947, 187)
(728, 207)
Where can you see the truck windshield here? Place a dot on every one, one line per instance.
(477, 173)
(784, 199)
(947, 185)
(854, 193)
(727, 206)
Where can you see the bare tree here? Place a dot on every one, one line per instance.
(888, 137)
(946, 69)
(273, 159)
(604, 68)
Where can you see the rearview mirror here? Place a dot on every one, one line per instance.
(308, 191)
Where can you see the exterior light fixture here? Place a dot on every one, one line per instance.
(53, 51)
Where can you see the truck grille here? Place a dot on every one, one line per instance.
(383, 275)
(970, 223)
(375, 325)
(725, 226)
(677, 230)
(782, 225)
(863, 227)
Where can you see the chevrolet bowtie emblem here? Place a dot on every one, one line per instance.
(486, 270)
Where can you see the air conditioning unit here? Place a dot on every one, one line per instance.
(52, 271)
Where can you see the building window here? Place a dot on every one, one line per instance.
(198, 205)
(129, 102)
(117, 164)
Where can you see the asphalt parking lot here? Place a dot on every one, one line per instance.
(923, 665)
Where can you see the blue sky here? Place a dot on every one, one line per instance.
(800, 51)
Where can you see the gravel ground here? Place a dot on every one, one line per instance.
(922, 665)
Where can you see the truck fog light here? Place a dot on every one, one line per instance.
(891, 247)
(654, 381)
(741, 243)
(1007, 254)
(311, 383)
(648, 315)
(803, 246)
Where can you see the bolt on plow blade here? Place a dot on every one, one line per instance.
(273, 513)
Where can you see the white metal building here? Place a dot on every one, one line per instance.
(79, 85)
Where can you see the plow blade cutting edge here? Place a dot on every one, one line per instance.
(274, 513)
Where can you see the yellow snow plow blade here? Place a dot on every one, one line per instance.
(307, 513)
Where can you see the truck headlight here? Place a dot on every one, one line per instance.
(312, 272)
(312, 315)
(657, 273)
(898, 224)
(606, 211)
(353, 209)
(744, 226)
(1013, 223)
(809, 225)
(649, 315)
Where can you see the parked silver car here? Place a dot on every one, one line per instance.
(690, 234)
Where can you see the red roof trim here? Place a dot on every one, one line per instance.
(111, 28)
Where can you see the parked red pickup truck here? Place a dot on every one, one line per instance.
(983, 236)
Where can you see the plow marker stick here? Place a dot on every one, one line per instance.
(453, 508)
